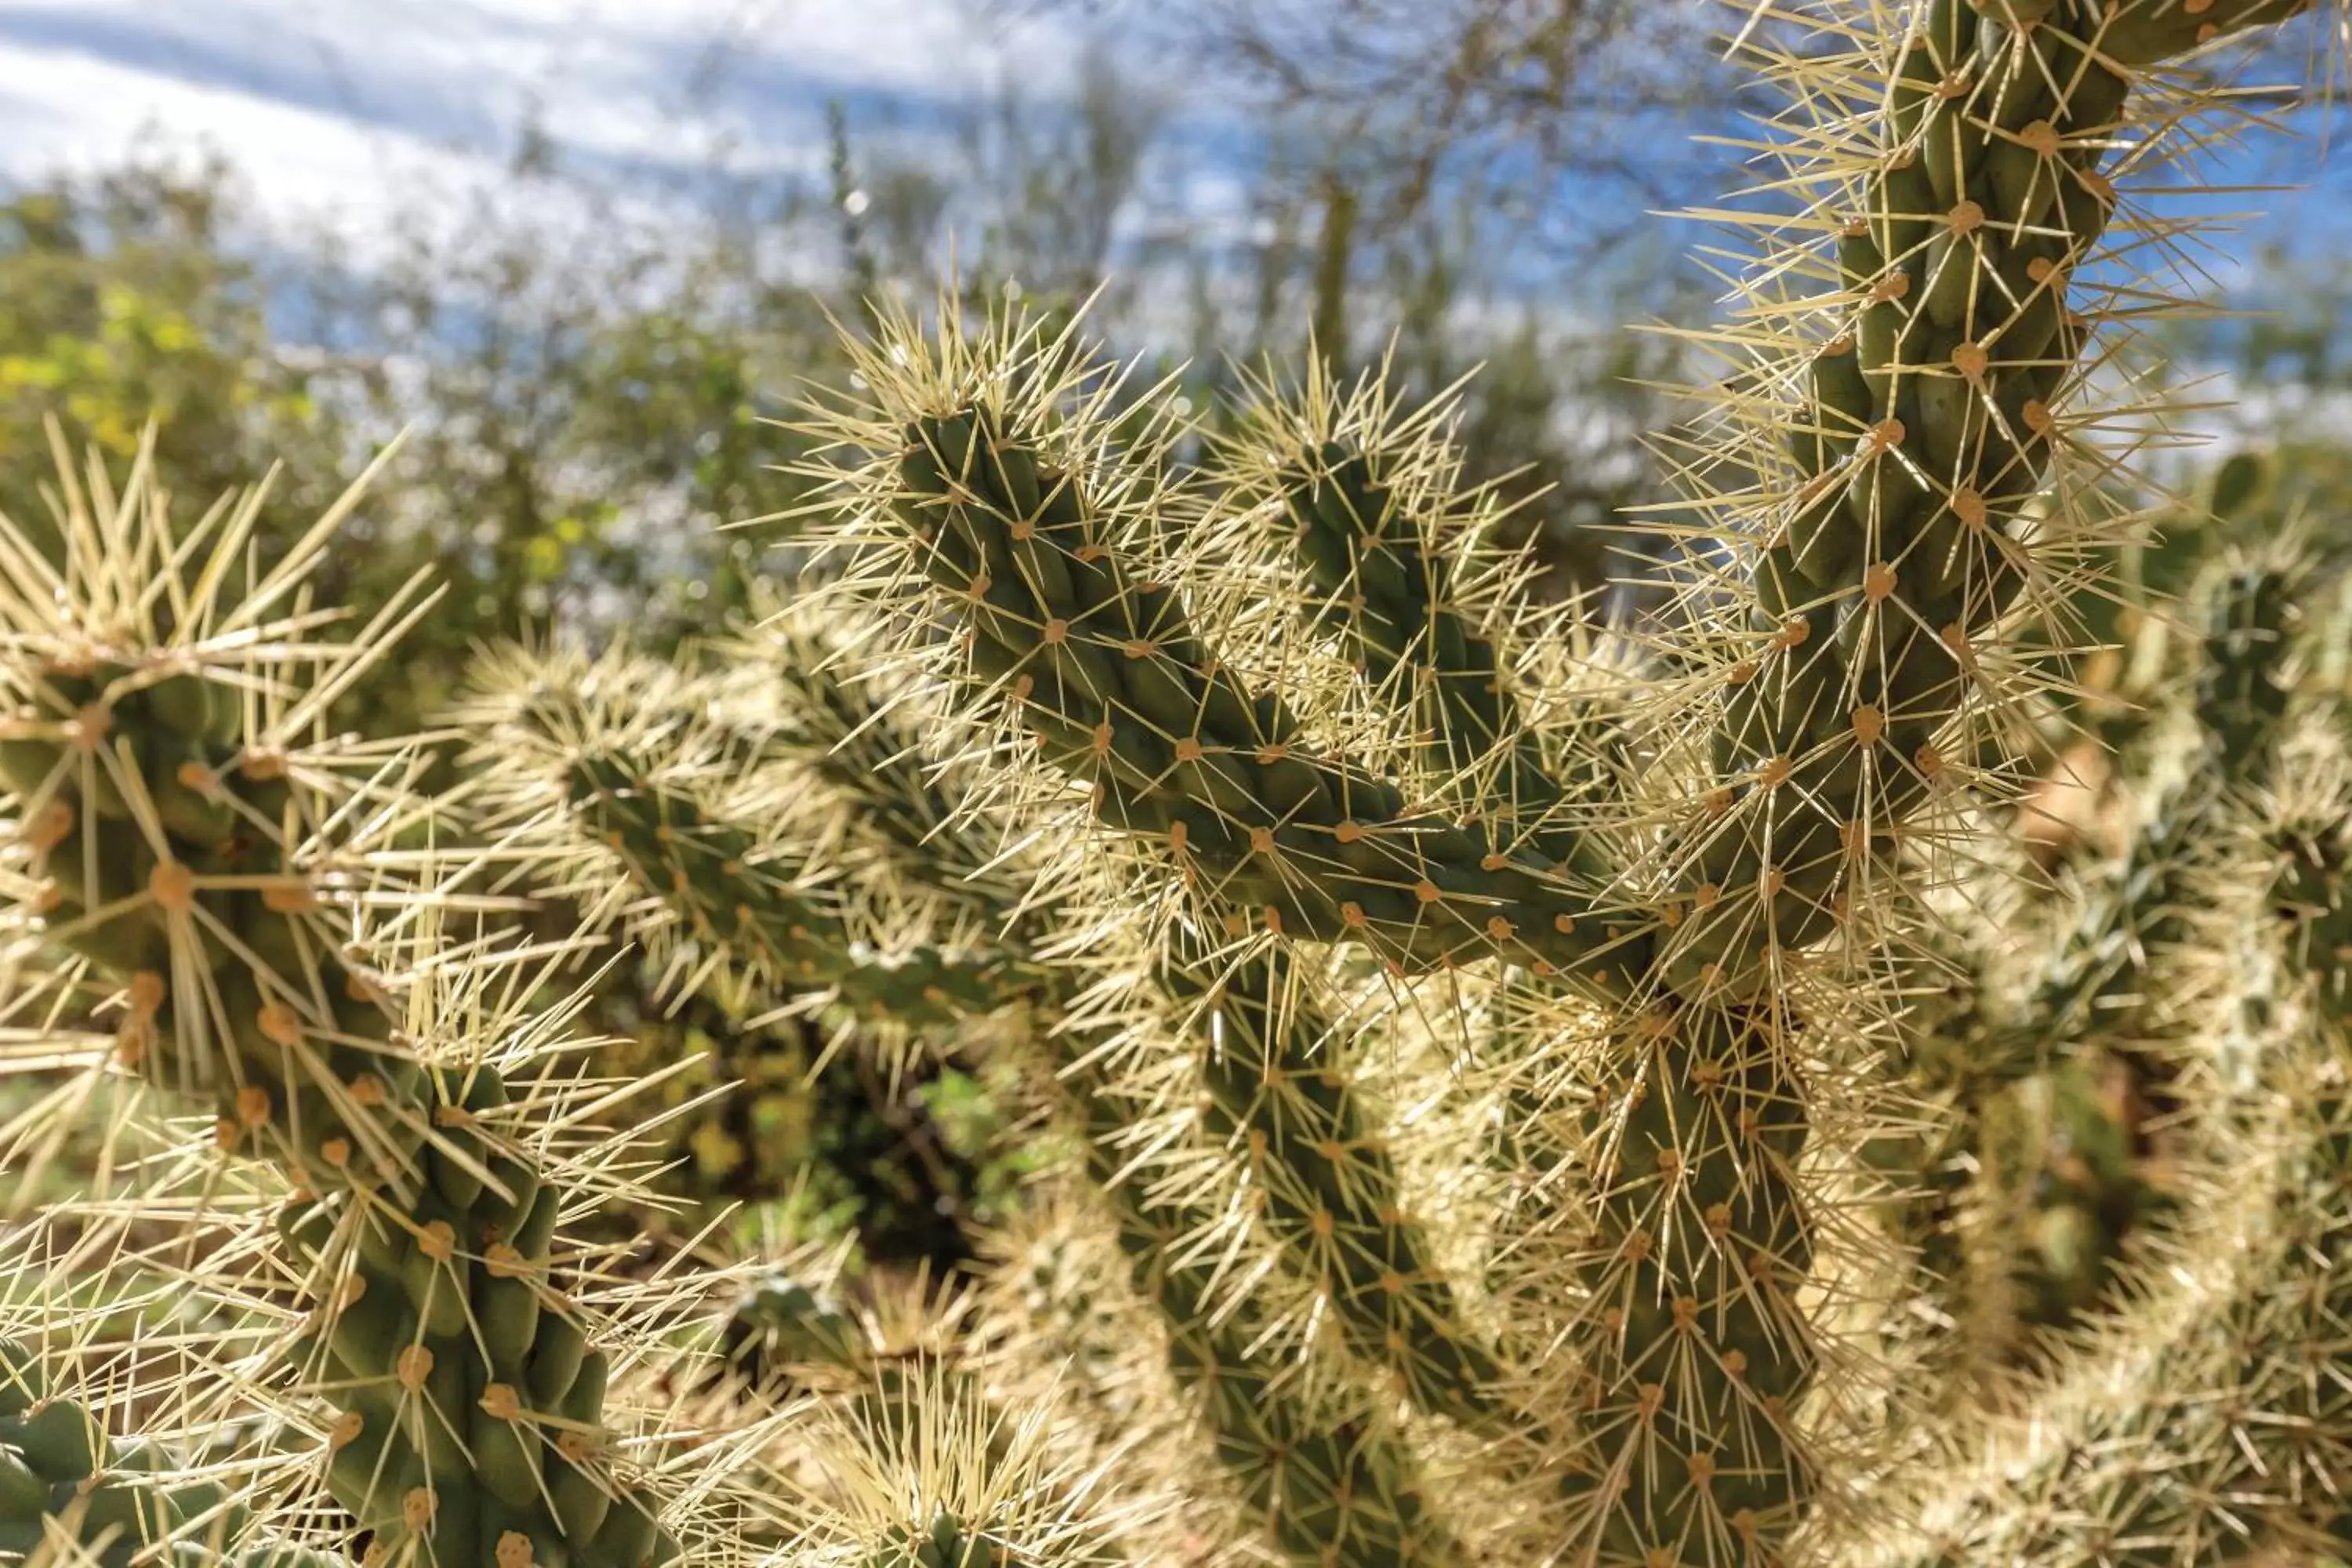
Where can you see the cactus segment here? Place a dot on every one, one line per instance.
(471, 1398)
(1329, 1183)
(1331, 1483)
(1106, 673)
(1369, 502)
(867, 744)
(215, 872)
(183, 855)
(1699, 1351)
(1898, 553)
(709, 869)
(2242, 694)
(2237, 1380)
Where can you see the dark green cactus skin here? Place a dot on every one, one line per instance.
(293, 1044)
(707, 868)
(2241, 701)
(1339, 1491)
(1697, 1352)
(60, 1471)
(1330, 1186)
(946, 1544)
(1106, 671)
(1929, 427)
(781, 1321)
(1370, 560)
(471, 1399)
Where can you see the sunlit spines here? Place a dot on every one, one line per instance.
(2210, 1424)
(872, 741)
(281, 952)
(1327, 1477)
(1400, 555)
(1961, 180)
(936, 1476)
(197, 835)
(633, 784)
(1282, 1098)
(979, 481)
(1696, 1353)
(114, 1445)
(709, 869)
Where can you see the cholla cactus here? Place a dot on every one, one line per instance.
(1480, 1034)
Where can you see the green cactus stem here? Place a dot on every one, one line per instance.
(1103, 668)
(1698, 1352)
(63, 1476)
(214, 871)
(709, 869)
(1392, 552)
(1330, 1184)
(1932, 418)
(2214, 1431)
(866, 744)
(1330, 1481)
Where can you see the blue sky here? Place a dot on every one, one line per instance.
(350, 112)
(338, 108)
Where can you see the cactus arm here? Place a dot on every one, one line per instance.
(62, 1475)
(708, 868)
(210, 866)
(1929, 423)
(1330, 1481)
(1369, 504)
(1697, 1352)
(866, 745)
(1330, 1184)
(1107, 672)
(2238, 1383)
(2116, 979)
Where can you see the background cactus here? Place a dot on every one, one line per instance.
(1521, 1089)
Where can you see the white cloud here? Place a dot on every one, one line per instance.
(338, 110)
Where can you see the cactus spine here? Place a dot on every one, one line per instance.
(210, 860)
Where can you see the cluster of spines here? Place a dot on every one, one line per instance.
(625, 766)
(1703, 1219)
(1096, 659)
(708, 867)
(1397, 554)
(62, 1475)
(2209, 1424)
(470, 1399)
(2121, 979)
(1276, 1089)
(1332, 1480)
(222, 875)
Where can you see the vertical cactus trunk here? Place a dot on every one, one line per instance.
(221, 870)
